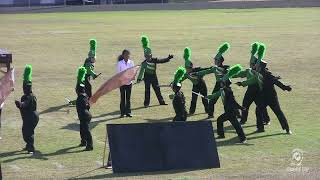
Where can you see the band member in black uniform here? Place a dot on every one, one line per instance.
(254, 83)
(230, 105)
(89, 65)
(198, 84)
(148, 70)
(178, 99)
(28, 110)
(270, 97)
(83, 110)
(219, 69)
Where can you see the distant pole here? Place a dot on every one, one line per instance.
(65, 2)
(29, 3)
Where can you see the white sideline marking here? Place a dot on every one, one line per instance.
(99, 163)
(15, 167)
(62, 32)
(58, 165)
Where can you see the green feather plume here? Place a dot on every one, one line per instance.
(261, 51)
(187, 53)
(93, 45)
(179, 75)
(232, 71)
(254, 48)
(82, 71)
(27, 75)
(187, 57)
(145, 42)
(224, 48)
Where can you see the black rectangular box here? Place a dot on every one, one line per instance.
(146, 147)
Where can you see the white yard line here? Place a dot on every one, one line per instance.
(58, 165)
(15, 167)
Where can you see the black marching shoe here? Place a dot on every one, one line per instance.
(259, 131)
(243, 141)
(220, 137)
(128, 115)
(82, 144)
(88, 149)
(30, 150)
(163, 103)
(289, 131)
(210, 117)
(121, 116)
(266, 123)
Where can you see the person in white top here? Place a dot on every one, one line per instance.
(124, 63)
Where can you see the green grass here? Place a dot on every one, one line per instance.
(56, 44)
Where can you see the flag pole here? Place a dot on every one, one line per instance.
(104, 151)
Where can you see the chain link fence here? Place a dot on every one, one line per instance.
(31, 3)
(24, 3)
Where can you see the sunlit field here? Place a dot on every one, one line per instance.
(57, 44)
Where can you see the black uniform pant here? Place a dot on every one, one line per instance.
(182, 117)
(88, 87)
(273, 102)
(152, 79)
(249, 98)
(29, 124)
(85, 134)
(212, 102)
(201, 88)
(231, 116)
(125, 104)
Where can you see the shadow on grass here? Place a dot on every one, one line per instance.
(169, 119)
(235, 140)
(263, 136)
(118, 112)
(127, 175)
(54, 109)
(58, 108)
(76, 127)
(196, 114)
(12, 153)
(230, 128)
(38, 154)
(232, 142)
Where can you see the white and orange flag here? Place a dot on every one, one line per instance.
(115, 82)
(6, 86)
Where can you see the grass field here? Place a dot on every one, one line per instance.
(56, 44)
